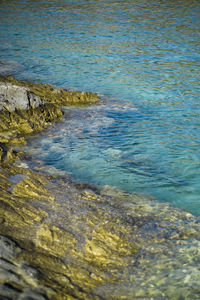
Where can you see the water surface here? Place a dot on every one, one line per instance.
(143, 59)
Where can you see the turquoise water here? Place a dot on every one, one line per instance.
(143, 58)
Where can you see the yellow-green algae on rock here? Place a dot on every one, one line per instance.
(74, 242)
(60, 240)
(36, 106)
(23, 113)
(54, 95)
(70, 262)
(16, 125)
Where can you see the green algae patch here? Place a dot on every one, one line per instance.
(54, 95)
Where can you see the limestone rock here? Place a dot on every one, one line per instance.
(26, 108)
(54, 95)
(14, 97)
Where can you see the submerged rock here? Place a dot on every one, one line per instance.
(79, 243)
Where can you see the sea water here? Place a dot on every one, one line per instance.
(142, 58)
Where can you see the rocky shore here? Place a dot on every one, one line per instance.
(63, 240)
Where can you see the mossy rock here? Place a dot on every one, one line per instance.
(91, 245)
(55, 95)
(60, 240)
(17, 125)
(8, 155)
(68, 270)
(34, 187)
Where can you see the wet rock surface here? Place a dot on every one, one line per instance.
(60, 239)
(76, 242)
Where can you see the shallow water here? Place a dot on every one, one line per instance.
(143, 59)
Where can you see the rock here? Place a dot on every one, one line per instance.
(26, 108)
(54, 95)
(64, 240)
(14, 97)
(33, 294)
(18, 280)
(16, 125)
(58, 241)
(33, 187)
(8, 155)
(8, 292)
(8, 248)
(92, 244)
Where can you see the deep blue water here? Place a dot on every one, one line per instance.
(143, 58)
